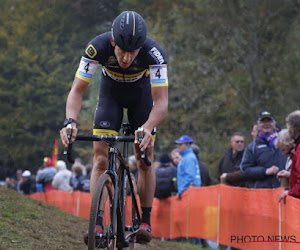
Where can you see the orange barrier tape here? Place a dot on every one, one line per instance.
(239, 217)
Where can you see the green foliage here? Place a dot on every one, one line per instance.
(227, 60)
(43, 42)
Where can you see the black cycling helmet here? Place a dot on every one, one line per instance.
(129, 31)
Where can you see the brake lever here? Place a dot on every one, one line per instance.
(68, 150)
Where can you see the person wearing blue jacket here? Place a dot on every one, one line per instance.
(188, 173)
(262, 161)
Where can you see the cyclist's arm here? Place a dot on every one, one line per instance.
(157, 114)
(73, 106)
(74, 100)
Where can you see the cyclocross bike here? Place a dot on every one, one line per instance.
(110, 194)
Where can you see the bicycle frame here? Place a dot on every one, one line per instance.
(118, 178)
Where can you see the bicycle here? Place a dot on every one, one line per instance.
(110, 194)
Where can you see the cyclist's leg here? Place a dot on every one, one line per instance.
(108, 119)
(137, 116)
(99, 163)
(146, 181)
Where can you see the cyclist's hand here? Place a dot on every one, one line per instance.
(64, 136)
(147, 139)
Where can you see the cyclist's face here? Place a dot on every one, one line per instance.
(125, 58)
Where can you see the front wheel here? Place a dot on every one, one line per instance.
(102, 205)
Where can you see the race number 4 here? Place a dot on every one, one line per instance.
(158, 75)
(86, 69)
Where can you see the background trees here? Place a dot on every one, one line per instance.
(227, 60)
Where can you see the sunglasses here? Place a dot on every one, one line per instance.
(239, 141)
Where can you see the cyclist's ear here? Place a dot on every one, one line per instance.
(112, 41)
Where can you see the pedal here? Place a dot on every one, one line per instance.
(130, 237)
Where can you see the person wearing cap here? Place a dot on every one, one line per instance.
(293, 126)
(262, 161)
(165, 176)
(27, 185)
(188, 173)
(134, 76)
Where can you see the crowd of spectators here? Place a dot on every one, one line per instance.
(49, 177)
(271, 160)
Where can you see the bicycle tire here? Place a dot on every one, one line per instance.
(104, 192)
(133, 211)
(120, 209)
(135, 219)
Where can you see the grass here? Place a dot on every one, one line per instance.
(29, 224)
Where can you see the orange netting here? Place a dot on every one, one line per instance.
(228, 215)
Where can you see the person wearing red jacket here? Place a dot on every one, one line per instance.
(293, 126)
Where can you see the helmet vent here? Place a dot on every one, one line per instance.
(140, 25)
(129, 31)
(122, 22)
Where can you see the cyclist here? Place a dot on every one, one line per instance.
(134, 76)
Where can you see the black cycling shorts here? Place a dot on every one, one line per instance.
(114, 96)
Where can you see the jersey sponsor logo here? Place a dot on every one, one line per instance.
(123, 77)
(154, 52)
(91, 51)
(105, 124)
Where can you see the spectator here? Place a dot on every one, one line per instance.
(89, 168)
(133, 167)
(188, 169)
(176, 157)
(293, 126)
(79, 161)
(134, 173)
(10, 183)
(204, 170)
(46, 175)
(6, 171)
(61, 180)
(19, 180)
(77, 177)
(286, 144)
(262, 161)
(27, 185)
(254, 131)
(165, 178)
(39, 186)
(85, 183)
(230, 162)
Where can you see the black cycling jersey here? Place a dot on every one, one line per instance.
(123, 88)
